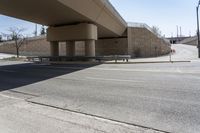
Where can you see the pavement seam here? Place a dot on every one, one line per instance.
(71, 122)
(24, 93)
(99, 117)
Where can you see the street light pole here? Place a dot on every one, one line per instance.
(197, 8)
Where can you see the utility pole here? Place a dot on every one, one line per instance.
(197, 9)
(177, 34)
(35, 30)
(172, 36)
(180, 31)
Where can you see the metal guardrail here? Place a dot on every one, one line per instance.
(49, 59)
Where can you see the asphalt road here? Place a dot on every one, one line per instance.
(159, 96)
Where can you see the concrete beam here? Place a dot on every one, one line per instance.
(77, 32)
(100, 12)
(67, 12)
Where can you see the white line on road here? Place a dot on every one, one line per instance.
(10, 71)
(156, 99)
(11, 97)
(129, 70)
(117, 80)
(100, 79)
(54, 67)
(152, 70)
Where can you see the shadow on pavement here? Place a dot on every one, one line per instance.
(18, 75)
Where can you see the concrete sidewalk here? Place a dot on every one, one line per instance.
(184, 53)
(3, 56)
(19, 116)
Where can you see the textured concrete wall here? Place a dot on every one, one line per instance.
(115, 46)
(190, 41)
(140, 43)
(194, 43)
(31, 47)
(143, 43)
(40, 47)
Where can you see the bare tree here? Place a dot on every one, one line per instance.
(156, 30)
(15, 34)
(42, 31)
(1, 39)
(35, 31)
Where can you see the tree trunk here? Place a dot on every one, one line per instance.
(17, 52)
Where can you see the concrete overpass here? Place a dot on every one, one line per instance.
(69, 20)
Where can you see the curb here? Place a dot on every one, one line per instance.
(99, 63)
(146, 62)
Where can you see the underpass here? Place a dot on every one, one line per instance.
(158, 97)
(132, 97)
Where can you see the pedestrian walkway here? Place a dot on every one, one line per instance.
(184, 53)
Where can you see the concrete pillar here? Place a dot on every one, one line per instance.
(90, 48)
(54, 48)
(70, 48)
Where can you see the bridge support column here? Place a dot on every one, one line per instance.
(54, 48)
(70, 48)
(80, 32)
(90, 48)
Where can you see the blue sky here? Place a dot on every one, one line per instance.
(7, 22)
(165, 14)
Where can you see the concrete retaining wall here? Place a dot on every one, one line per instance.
(31, 47)
(140, 42)
(144, 43)
(190, 41)
(115, 46)
(40, 47)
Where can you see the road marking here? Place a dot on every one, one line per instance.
(10, 71)
(73, 68)
(112, 69)
(167, 99)
(142, 70)
(176, 70)
(105, 69)
(11, 97)
(117, 80)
